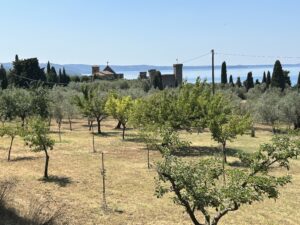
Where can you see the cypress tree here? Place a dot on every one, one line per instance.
(231, 80)
(3, 77)
(224, 73)
(238, 82)
(158, 81)
(59, 76)
(278, 79)
(298, 82)
(48, 67)
(16, 58)
(249, 82)
(287, 79)
(264, 80)
(52, 76)
(268, 79)
(65, 78)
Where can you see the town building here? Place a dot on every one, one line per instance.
(168, 80)
(106, 74)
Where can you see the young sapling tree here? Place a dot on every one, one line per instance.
(37, 138)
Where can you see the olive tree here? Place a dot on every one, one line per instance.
(119, 108)
(267, 108)
(70, 109)
(289, 108)
(57, 107)
(37, 138)
(23, 103)
(11, 131)
(92, 104)
(197, 185)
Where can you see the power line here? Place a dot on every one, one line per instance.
(195, 58)
(258, 56)
(46, 82)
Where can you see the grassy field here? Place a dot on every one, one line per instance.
(76, 180)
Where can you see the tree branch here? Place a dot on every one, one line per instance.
(224, 212)
(184, 202)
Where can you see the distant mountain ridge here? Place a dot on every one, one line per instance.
(81, 69)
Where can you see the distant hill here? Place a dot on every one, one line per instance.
(81, 69)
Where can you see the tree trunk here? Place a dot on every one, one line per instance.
(224, 161)
(252, 131)
(9, 151)
(49, 121)
(23, 121)
(70, 123)
(297, 125)
(118, 125)
(99, 125)
(148, 156)
(90, 124)
(224, 152)
(46, 164)
(123, 133)
(59, 134)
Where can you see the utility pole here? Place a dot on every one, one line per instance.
(213, 70)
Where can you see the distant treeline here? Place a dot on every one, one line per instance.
(26, 72)
(279, 79)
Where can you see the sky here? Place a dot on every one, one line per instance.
(152, 32)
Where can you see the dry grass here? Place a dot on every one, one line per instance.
(76, 180)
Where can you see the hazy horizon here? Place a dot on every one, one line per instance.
(151, 32)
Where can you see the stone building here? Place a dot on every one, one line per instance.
(143, 75)
(168, 80)
(106, 74)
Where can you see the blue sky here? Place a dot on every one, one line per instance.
(149, 31)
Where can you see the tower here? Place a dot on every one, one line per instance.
(178, 73)
(95, 69)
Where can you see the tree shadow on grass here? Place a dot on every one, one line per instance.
(239, 164)
(108, 134)
(10, 216)
(136, 138)
(197, 151)
(60, 181)
(25, 158)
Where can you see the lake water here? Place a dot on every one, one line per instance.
(190, 74)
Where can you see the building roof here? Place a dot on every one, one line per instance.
(109, 69)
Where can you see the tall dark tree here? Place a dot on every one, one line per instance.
(278, 79)
(287, 79)
(249, 82)
(26, 72)
(48, 67)
(268, 79)
(231, 80)
(224, 73)
(3, 77)
(64, 78)
(238, 82)
(157, 81)
(60, 76)
(264, 80)
(52, 76)
(16, 58)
